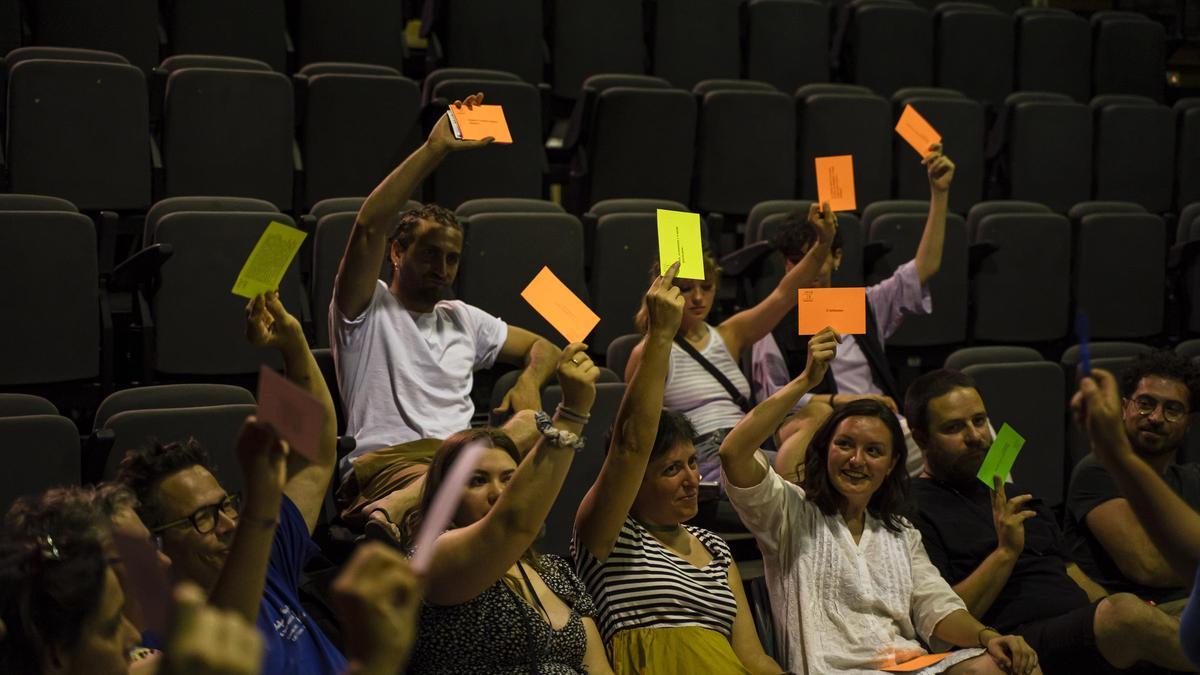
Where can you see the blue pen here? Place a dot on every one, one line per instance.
(1085, 350)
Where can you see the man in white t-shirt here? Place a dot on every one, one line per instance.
(405, 357)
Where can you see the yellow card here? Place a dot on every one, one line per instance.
(835, 182)
(918, 132)
(269, 260)
(679, 239)
(558, 305)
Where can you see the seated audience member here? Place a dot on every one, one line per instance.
(1171, 524)
(629, 540)
(1160, 392)
(491, 604)
(851, 586)
(248, 553)
(709, 403)
(405, 356)
(861, 368)
(1004, 555)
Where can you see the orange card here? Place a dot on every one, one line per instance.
(478, 123)
(914, 129)
(916, 664)
(558, 305)
(835, 182)
(842, 309)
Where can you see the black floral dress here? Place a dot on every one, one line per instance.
(499, 633)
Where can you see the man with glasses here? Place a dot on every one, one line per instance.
(1160, 392)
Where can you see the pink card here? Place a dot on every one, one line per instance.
(294, 414)
(149, 580)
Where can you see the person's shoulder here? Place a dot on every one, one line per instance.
(1088, 468)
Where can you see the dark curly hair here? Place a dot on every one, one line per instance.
(797, 235)
(889, 503)
(143, 469)
(931, 385)
(406, 230)
(1167, 365)
(72, 509)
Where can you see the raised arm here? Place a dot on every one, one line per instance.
(929, 251)
(604, 508)
(751, 325)
(1170, 523)
(737, 451)
(471, 558)
(367, 246)
(537, 356)
(268, 324)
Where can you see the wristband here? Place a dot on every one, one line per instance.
(571, 415)
(265, 523)
(558, 437)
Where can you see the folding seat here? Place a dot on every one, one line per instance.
(1128, 55)
(228, 132)
(10, 25)
(1048, 150)
(961, 122)
(493, 271)
(1133, 151)
(583, 113)
(199, 323)
(618, 353)
(499, 34)
(608, 207)
(888, 45)
(1189, 348)
(43, 452)
(1021, 291)
(696, 40)
(435, 78)
(515, 170)
(974, 51)
(1053, 36)
(100, 160)
(706, 87)
(745, 150)
(505, 205)
(1187, 151)
(181, 61)
(971, 356)
(770, 208)
(998, 206)
(845, 124)
(1077, 212)
(253, 30)
(356, 129)
(21, 405)
(364, 31)
(127, 27)
(1189, 223)
(20, 202)
(901, 232)
(625, 246)
(165, 207)
(874, 210)
(787, 43)
(1119, 275)
(595, 36)
(1031, 398)
(560, 522)
(49, 260)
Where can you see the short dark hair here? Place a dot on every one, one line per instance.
(410, 221)
(143, 469)
(797, 235)
(890, 501)
(1167, 365)
(674, 429)
(931, 385)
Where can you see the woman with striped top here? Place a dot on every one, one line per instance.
(668, 597)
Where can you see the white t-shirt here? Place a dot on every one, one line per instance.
(406, 375)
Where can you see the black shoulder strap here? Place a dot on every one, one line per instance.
(742, 402)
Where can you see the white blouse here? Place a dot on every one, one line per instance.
(841, 607)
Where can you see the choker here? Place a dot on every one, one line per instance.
(660, 528)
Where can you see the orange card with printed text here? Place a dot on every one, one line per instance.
(842, 309)
(835, 182)
(479, 122)
(916, 664)
(559, 306)
(918, 132)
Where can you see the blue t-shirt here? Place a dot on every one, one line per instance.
(294, 643)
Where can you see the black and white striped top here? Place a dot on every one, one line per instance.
(643, 584)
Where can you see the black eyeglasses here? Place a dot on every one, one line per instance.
(204, 519)
(1173, 411)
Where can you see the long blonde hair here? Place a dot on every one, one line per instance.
(712, 271)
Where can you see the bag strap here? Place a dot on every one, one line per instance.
(742, 402)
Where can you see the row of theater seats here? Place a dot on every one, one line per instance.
(1012, 272)
(233, 127)
(981, 48)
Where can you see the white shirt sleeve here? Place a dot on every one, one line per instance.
(346, 331)
(769, 510)
(488, 332)
(932, 598)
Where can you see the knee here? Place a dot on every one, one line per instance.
(1121, 615)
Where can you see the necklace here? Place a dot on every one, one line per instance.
(663, 529)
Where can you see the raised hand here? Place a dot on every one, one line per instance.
(263, 458)
(822, 347)
(205, 640)
(377, 597)
(442, 139)
(577, 375)
(1097, 410)
(825, 220)
(940, 169)
(268, 323)
(664, 304)
(1008, 518)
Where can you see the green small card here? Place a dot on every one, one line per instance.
(1001, 455)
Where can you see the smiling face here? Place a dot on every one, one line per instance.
(195, 557)
(860, 458)
(126, 522)
(1152, 433)
(495, 469)
(670, 488)
(106, 636)
(957, 437)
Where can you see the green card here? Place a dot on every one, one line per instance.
(1001, 455)
(679, 239)
(269, 260)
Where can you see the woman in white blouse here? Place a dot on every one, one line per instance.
(852, 589)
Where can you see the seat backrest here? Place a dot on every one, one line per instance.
(971, 356)
(253, 30)
(21, 202)
(837, 124)
(745, 153)
(983, 209)
(1082, 209)
(1102, 350)
(1049, 152)
(127, 27)
(1128, 56)
(704, 87)
(771, 207)
(332, 232)
(58, 250)
(1188, 348)
(697, 40)
(595, 36)
(100, 160)
(974, 51)
(164, 396)
(435, 78)
(501, 34)
(1133, 152)
(1022, 291)
(787, 42)
(228, 132)
(20, 405)
(629, 155)
(62, 54)
(892, 206)
(43, 452)
(625, 247)
(1187, 153)
(619, 349)
(165, 207)
(1131, 303)
(606, 207)
(961, 122)
(889, 46)
(364, 31)
(506, 205)
(1053, 36)
(181, 61)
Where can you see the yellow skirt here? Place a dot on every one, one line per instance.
(666, 651)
